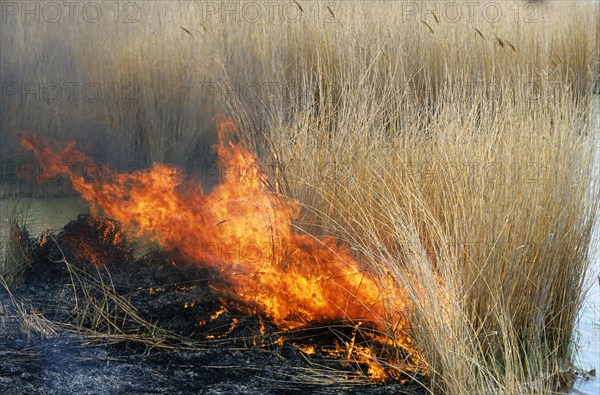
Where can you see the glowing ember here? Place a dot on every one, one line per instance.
(308, 349)
(218, 313)
(241, 229)
(233, 325)
(153, 291)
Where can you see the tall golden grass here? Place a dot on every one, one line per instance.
(454, 156)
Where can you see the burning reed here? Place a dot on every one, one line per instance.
(454, 157)
(243, 230)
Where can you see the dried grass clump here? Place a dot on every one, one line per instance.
(16, 248)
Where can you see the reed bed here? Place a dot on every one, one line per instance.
(455, 156)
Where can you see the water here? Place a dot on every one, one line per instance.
(41, 214)
(588, 326)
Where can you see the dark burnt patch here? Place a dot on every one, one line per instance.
(217, 347)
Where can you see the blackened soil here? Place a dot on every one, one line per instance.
(86, 277)
(63, 366)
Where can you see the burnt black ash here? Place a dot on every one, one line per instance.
(233, 352)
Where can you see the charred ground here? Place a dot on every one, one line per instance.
(91, 317)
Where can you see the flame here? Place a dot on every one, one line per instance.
(234, 323)
(242, 229)
(217, 313)
(307, 349)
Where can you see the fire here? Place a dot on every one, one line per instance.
(217, 313)
(242, 229)
(308, 349)
(153, 291)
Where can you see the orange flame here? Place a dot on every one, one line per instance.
(241, 229)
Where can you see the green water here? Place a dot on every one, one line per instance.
(41, 214)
